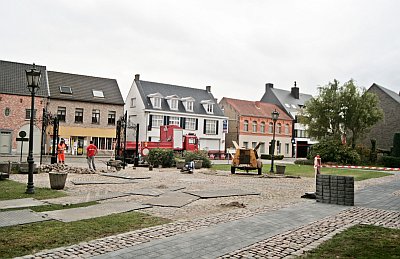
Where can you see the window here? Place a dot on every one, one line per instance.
(189, 106)
(78, 115)
(133, 102)
(65, 90)
(262, 127)
(270, 127)
(262, 148)
(190, 123)
(28, 114)
(246, 125)
(157, 121)
(287, 105)
(7, 111)
(96, 116)
(111, 117)
(287, 148)
(173, 120)
(211, 127)
(246, 144)
(278, 146)
(61, 113)
(210, 108)
(157, 102)
(279, 130)
(98, 93)
(286, 128)
(173, 104)
(254, 126)
(253, 145)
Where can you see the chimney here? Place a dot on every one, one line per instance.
(208, 88)
(295, 91)
(268, 85)
(137, 76)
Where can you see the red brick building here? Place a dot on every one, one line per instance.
(251, 123)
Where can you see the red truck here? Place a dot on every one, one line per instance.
(171, 137)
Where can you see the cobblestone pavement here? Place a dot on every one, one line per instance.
(260, 233)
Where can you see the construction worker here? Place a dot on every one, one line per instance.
(61, 151)
(91, 152)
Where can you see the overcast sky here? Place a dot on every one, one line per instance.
(236, 46)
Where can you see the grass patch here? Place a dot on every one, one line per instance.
(31, 238)
(15, 190)
(308, 171)
(361, 241)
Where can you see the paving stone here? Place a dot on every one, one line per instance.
(172, 199)
(221, 193)
(125, 176)
(94, 211)
(20, 217)
(154, 191)
(85, 182)
(86, 197)
(20, 203)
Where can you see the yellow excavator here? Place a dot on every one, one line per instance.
(246, 159)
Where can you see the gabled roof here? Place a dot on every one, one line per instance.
(255, 109)
(392, 94)
(82, 88)
(13, 79)
(285, 97)
(146, 88)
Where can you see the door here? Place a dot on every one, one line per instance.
(5, 142)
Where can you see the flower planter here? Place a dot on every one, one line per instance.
(57, 180)
(280, 169)
(180, 164)
(198, 164)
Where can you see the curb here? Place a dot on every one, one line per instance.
(363, 167)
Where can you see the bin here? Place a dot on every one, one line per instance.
(57, 180)
(280, 169)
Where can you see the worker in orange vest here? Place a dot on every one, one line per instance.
(61, 151)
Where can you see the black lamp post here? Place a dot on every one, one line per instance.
(275, 115)
(33, 78)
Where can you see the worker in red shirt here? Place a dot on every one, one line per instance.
(61, 152)
(91, 152)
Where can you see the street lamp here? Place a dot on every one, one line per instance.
(33, 78)
(275, 115)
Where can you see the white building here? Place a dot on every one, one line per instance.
(196, 111)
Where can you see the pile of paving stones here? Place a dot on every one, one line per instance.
(63, 168)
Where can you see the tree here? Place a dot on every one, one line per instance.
(341, 109)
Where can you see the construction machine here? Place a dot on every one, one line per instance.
(246, 159)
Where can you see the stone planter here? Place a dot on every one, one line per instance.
(280, 169)
(198, 164)
(180, 164)
(57, 180)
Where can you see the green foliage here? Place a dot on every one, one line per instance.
(396, 145)
(198, 155)
(391, 161)
(341, 109)
(268, 157)
(304, 162)
(331, 149)
(160, 156)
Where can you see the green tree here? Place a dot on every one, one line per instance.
(341, 109)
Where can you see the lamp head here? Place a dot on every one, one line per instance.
(33, 77)
(275, 115)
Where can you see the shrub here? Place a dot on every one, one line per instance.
(304, 162)
(396, 145)
(198, 155)
(159, 156)
(391, 161)
(268, 156)
(332, 150)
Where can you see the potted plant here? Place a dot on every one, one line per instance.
(280, 169)
(180, 163)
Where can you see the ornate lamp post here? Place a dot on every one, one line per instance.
(275, 116)
(33, 78)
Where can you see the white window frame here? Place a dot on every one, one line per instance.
(157, 102)
(189, 106)
(262, 127)
(190, 123)
(173, 104)
(211, 127)
(174, 120)
(254, 126)
(210, 108)
(157, 121)
(98, 93)
(133, 102)
(246, 125)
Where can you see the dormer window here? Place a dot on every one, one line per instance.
(172, 101)
(208, 106)
(98, 93)
(155, 100)
(188, 103)
(65, 90)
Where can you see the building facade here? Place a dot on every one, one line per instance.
(250, 124)
(196, 111)
(15, 107)
(384, 130)
(87, 109)
(291, 102)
